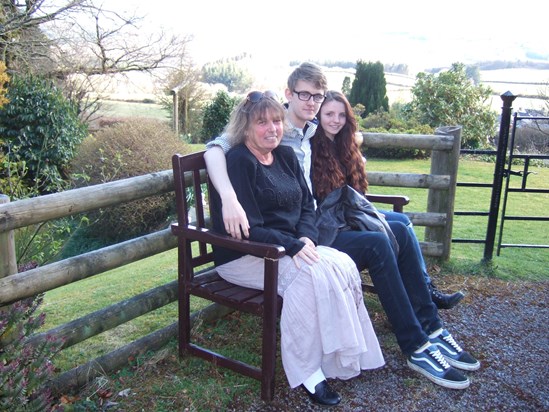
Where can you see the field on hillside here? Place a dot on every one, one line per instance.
(117, 108)
(520, 82)
(528, 82)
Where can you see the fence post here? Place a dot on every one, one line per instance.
(175, 110)
(442, 200)
(506, 110)
(8, 263)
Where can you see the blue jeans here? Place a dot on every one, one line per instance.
(398, 280)
(401, 217)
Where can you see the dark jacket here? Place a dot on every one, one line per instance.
(347, 209)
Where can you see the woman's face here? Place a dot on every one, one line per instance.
(332, 117)
(265, 133)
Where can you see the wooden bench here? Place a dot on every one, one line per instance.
(192, 186)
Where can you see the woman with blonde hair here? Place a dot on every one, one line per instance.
(325, 329)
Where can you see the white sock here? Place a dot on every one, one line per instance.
(423, 347)
(435, 333)
(314, 380)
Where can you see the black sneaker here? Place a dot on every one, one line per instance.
(431, 364)
(443, 300)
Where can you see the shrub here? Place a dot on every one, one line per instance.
(451, 98)
(392, 122)
(44, 242)
(532, 137)
(39, 127)
(4, 78)
(124, 150)
(13, 178)
(216, 115)
(25, 368)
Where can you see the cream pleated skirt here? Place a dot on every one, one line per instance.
(324, 323)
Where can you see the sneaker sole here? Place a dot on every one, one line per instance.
(462, 365)
(439, 381)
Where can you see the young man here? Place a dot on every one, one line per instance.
(399, 280)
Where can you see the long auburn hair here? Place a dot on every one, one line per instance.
(338, 163)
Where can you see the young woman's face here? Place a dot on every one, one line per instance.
(332, 117)
(265, 134)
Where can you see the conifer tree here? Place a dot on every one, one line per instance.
(369, 88)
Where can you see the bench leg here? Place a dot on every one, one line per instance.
(268, 359)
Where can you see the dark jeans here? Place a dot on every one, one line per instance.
(401, 217)
(399, 282)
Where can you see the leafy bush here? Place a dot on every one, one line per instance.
(40, 130)
(14, 178)
(450, 98)
(216, 115)
(44, 242)
(4, 78)
(12, 173)
(393, 122)
(124, 150)
(25, 368)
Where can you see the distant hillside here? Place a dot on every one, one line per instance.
(527, 82)
(403, 68)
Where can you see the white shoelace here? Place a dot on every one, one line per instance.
(437, 355)
(450, 340)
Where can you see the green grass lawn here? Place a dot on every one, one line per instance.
(512, 263)
(81, 298)
(115, 108)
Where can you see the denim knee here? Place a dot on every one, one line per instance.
(401, 232)
(364, 247)
(391, 216)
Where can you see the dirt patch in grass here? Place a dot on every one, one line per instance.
(504, 324)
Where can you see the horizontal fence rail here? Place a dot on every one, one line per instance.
(42, 279)
(440, 183)
(41, 209)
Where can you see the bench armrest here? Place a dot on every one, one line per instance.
(263, 250)
(398, 201)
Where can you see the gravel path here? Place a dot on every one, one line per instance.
(503, 324)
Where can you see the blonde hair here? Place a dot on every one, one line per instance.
(247, 112)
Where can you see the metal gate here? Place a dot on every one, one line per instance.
(501, 181)
(542, 124)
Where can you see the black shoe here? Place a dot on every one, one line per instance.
(324, 395)
(443, 300)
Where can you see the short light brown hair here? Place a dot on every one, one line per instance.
(308, 72)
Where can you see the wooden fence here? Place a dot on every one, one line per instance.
(440, 182)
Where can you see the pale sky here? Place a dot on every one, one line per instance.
(418, 33)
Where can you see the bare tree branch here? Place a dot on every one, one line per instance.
(81, 44)
(17, 16)
(116, 44)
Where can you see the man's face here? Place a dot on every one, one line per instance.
(302, 110)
